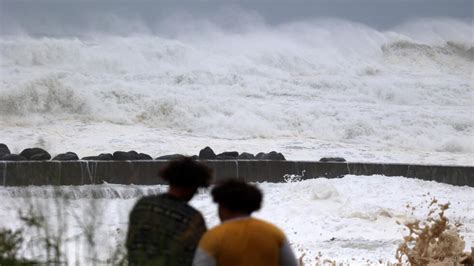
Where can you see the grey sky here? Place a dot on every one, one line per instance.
(70, 17)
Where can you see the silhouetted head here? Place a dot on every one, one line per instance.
(185, 175)
(236, 198)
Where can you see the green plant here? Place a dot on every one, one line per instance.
(10, 243)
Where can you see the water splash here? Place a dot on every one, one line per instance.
(435, 240)
(290, 178)
(104, 191)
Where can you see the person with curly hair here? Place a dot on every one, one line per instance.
(164, 229)
(241, 239)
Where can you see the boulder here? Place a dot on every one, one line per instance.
(170, 157)
(90, 158)
(125, 155)
(105, 157)
(228, 155)
(332, 159)
(225, 157)
(12, 157)
(100, 157)
(246, 156)
(144, 157)
(4, 149)
(40, 157)
(273, 155)
(207, 154)
(68, 156)
(36, 154)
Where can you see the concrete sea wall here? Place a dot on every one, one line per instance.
(23, 173)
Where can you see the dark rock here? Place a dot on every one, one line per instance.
(100, 157)
(40, 157)
(12, 157)
(170, 157)
(4, 149)
(68, 156)
(273, 155)
(225, 157)
(228, 155)
(133, 155)
(246, 156)
(144, 156)
(276, 156)
(207, 154)
(125, 156)
(27, 153)
(36, 154)
(105, 157)
(332, 159)
(195, 157)
(90, 158)
(233, 154)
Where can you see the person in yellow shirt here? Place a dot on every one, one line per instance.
(241, 240)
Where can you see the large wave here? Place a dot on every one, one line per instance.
(327, 79)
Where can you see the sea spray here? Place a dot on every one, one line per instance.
(46, 95)
(434, 240)
(327, 80)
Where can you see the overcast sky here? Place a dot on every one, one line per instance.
(69, 17)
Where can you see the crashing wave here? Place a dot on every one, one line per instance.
(44, 95)
(412, 49)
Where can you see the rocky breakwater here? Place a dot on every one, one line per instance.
(39, 154)
(34, 166)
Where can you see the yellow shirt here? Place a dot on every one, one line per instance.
(243, 241)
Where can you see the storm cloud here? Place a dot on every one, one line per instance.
(47, 17)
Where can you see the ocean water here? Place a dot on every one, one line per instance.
(353, 219)
(308, 89)
(314, 88)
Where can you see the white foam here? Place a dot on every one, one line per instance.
(330, 82)
(354, 217)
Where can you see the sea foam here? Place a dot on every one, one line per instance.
(333, 81)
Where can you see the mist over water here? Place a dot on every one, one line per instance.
(328, 80)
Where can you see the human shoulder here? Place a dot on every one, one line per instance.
(151, 198)
(164, 199)
(269, 227)
(215, 234)
(161, 201)
(256, 224)
(211, 239)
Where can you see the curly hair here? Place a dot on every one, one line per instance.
(237, 196)
(186, 172)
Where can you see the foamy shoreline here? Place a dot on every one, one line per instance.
(92, 138)
(351, 219)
